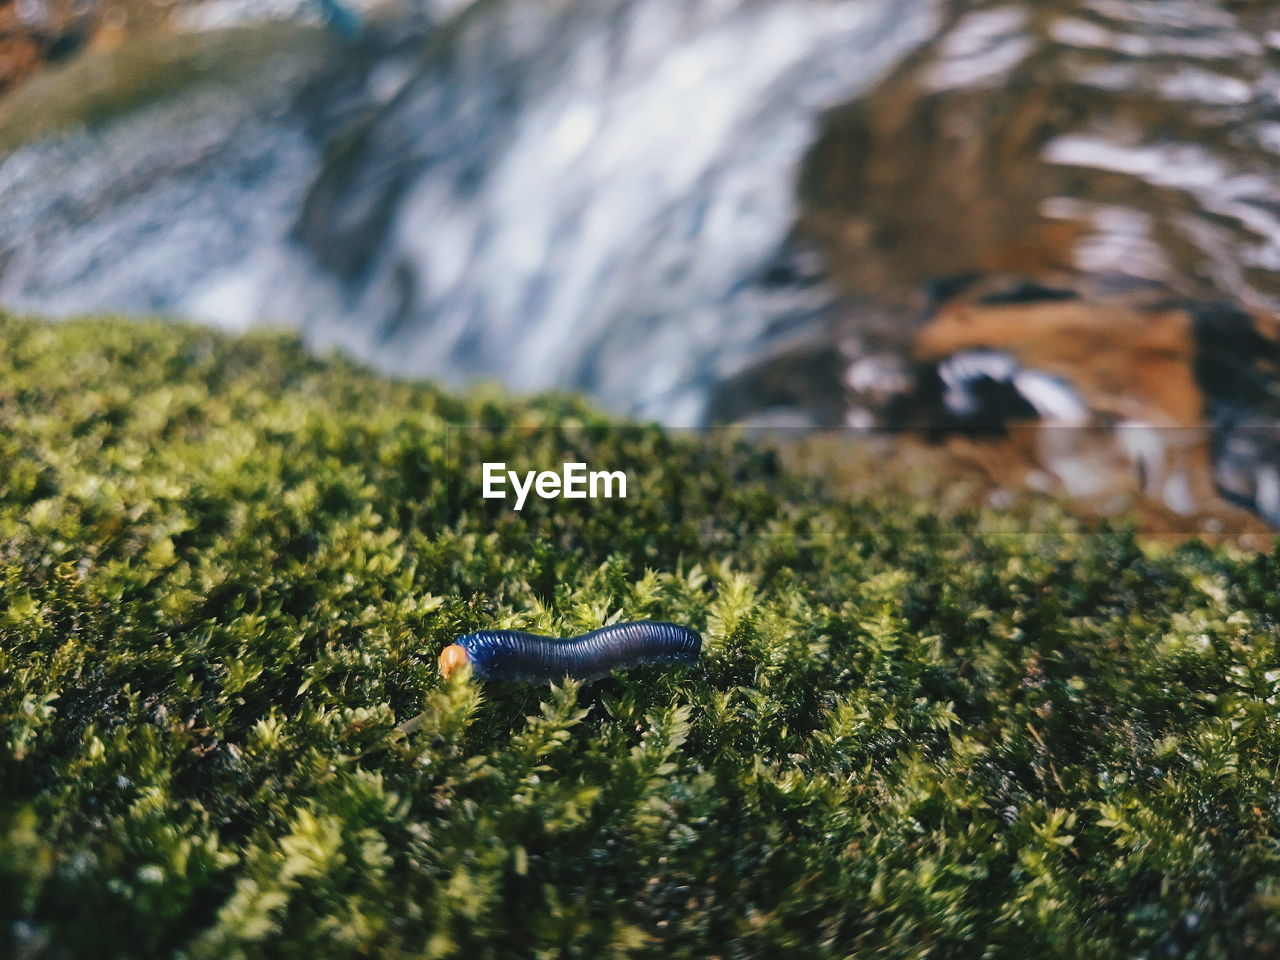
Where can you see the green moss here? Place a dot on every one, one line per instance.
(226, 568)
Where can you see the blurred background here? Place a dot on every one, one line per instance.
(1035, 246)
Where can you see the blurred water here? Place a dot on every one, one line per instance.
(1119, 150)
(641, 198)
(147, 191)
(558, 194)
(600, 191)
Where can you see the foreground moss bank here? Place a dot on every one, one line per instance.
(225, 571)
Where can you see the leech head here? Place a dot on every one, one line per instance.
(451, 658)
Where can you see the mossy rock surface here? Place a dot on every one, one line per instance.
(226, 568)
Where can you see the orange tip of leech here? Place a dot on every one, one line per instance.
(451, 658)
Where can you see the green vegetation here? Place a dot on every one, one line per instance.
(226, 569)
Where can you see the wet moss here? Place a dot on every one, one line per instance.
(226, 568)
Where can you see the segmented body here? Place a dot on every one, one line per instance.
(516, 655)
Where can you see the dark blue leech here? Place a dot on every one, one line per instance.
(516, 655)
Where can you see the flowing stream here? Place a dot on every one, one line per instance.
(643, 199)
